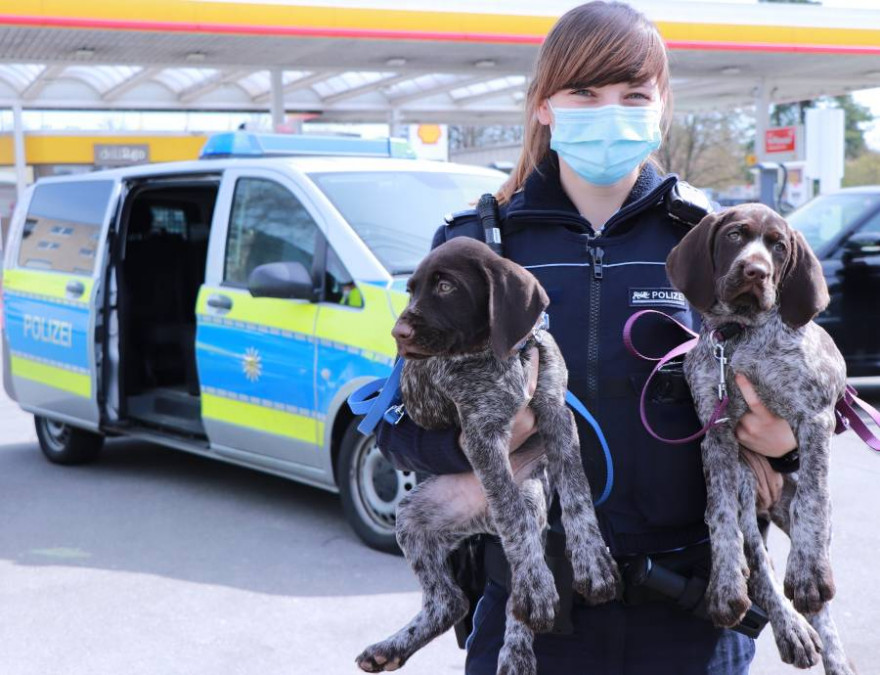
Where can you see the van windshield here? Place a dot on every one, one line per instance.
(396, 213)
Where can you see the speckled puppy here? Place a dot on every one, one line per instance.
(746, 266)
(467, 335)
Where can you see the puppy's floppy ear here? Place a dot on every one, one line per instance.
(516, 301)
(690, 265)
(803, 292)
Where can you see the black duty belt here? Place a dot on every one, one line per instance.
(677, 577)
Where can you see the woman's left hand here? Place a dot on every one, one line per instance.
(759, 429)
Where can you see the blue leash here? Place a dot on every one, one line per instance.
(581, 410)
(386, 404)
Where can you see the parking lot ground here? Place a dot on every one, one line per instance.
(155, 562)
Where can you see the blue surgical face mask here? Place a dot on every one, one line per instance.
(602, 145)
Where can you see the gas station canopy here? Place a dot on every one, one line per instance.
(359, 60)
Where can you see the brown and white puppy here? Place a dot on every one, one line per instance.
(746, 266)
(467, 334)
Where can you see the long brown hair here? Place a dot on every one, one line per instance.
(591, 45)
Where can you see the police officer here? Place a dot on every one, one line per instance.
(591, 217)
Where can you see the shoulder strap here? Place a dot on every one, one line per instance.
(484, 223)
(687, 204)
(487, 209)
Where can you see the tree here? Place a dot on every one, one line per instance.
(469, 136)
(790, 114)
(865, 170)
(856, 116)
(706, 149)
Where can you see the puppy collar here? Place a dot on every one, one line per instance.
(726, 331)
(542, 324)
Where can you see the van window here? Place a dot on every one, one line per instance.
(872, 226)
(268, 224)
(397, 212)
(63, 226)
(340, 288)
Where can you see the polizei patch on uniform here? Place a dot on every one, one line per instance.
(667, 297)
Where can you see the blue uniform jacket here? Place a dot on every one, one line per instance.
(595, 282)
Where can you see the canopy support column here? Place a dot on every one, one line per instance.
(762, 117)
(277, 99)
(18, 150)
(394, 117)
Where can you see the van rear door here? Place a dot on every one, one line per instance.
(52, 287)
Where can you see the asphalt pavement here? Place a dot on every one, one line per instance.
(155, 562)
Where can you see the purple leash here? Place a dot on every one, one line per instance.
(847, 416)
(680, 350)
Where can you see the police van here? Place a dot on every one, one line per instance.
(226, 306)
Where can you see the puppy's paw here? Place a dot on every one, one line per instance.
(596, 576)
(809, 584)
(727, 599)
(380, 657)
(798, 643)
(841, 668)
(534, 599)
(517, 658)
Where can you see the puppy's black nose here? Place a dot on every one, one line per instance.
(756, 271)
(401, 331)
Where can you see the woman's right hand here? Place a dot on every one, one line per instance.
(525, 422)
(524, 425)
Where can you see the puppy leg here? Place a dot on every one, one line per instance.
(808, 578)
(727, 595)
(487, 439)
(798, 643)
(596, 575)
(517, 656)
(834, 659)
(431, 521)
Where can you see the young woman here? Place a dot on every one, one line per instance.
(584, 211)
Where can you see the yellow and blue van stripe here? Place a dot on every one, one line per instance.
(258, 362)
(253, 361)
(47, 332)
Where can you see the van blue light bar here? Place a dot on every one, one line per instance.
(247, 144)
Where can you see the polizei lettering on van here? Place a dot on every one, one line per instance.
(668, 297)
(48, 330)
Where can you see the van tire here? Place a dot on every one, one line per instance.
(64, 444)
(370, 489)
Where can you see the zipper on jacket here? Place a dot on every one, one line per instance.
(597, 255)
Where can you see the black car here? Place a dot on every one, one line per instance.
(844, 230)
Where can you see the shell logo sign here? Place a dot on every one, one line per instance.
(429, 134)
(430, 141)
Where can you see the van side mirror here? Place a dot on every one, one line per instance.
(289, 280)
(861, 245)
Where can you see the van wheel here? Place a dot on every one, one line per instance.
(370, 489)
(64, 444)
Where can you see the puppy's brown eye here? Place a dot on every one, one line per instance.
(734, 235)
(444, 287)
(779, 247)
